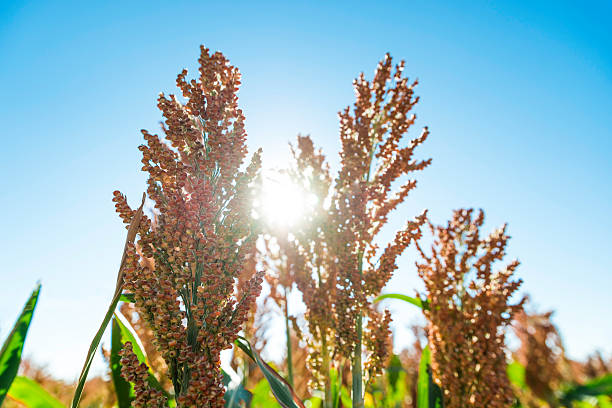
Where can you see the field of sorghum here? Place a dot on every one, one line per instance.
(194, 266)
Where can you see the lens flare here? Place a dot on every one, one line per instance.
(282, 203)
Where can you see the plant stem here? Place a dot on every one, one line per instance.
(289, 348)
(357, 369)
(328, 403)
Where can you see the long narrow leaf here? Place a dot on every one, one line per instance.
(10, 355)
(127, 333)
(124, 391)
(593, 388)
(435, 393)
(92, 351)
(415, 301)
(429, 394)
(29, 393)
(335, 386)
(131, 235)
(423, 382)
(281, 389)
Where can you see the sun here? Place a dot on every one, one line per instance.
(282, 203)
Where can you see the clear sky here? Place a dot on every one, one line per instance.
(516, 95)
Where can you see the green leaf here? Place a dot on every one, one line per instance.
(127, 333)
(281, 389)
(413, 300)
(593, 388)
(429, 394)
(29, 393)
(345, 397)
(10, 355)
(335, 385)
(123, 389)
(604, 401)
(262, 396)
(93, 347)
(394, 369)
(314, 402)
(127, 298)
(516, 375)
(423, 382)
(235, 396)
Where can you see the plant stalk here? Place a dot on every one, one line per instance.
(289, 347)
(357, 369)
(328, 403)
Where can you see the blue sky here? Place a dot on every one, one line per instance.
(516, 96)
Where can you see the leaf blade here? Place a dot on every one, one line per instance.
(592, 388)
(127, 333)
(423, 381)
(281, 389)
(429, 394)
(10, 354)
(412, 300)
(93, 347)
(123, 389)
(29, 393)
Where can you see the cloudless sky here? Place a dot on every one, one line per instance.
(516, 96)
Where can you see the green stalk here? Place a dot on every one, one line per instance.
(357, 369)
(289, 348)
(329, 403)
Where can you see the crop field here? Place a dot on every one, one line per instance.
(244, 285)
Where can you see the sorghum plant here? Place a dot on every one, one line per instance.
(343, 267)
(183, 270)
(596, 365)
(371, 161)
(468, 308)
(281, 260)
(300, 256)
(541, 353)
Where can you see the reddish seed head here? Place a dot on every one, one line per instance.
(201, 227)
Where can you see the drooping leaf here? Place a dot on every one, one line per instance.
(93, 347)
(29, 393)
(412, 300)
(124, 391)
(10, 355)
(281, 389)
(429, 394)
